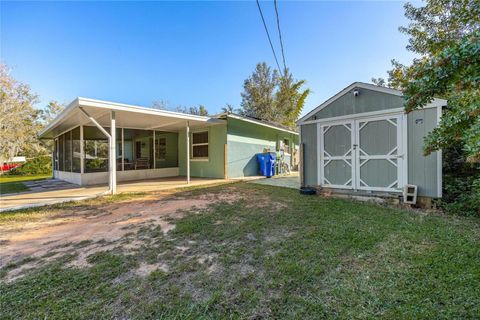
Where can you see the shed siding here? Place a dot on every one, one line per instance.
(422, 171)
(214, 167)
(366, 101)
(309, 140)
(245, 140)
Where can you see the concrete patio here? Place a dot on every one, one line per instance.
(47, 192)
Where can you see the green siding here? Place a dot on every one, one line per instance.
(214, 167)
(310, 145)
(367, 101)
(245, 140)
(422, 171)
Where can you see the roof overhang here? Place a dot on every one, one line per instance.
(368, 86)
(126, 116)
(226, 115)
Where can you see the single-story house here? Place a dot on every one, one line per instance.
(151, 143)
(362, 140)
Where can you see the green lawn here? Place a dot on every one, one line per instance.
(13, 184)
(268, 253)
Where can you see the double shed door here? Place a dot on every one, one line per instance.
(364, 153)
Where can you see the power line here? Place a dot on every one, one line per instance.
(268, 35)
(280, 35)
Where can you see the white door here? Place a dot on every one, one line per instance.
(336, 155)
(364, 154)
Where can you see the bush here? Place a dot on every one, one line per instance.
(461, 195)
(34, 166)
(461, 184)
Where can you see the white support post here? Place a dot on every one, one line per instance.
(113, 153)
(187, 138)
(111, 188)
(82, 152)
(154, 160)
(123, 149)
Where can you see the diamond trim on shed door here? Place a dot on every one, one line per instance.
(379, 160)
(336, 155)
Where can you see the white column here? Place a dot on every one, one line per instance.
(154, 160)
(113, 154)
(82, 152)
(187, 139)
(123, 149)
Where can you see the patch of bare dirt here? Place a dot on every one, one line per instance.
(99, 228)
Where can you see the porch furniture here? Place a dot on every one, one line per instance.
(142, 163)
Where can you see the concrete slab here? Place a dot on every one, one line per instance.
(69, 192)
(286, 181)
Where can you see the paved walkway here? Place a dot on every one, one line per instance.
(45, 192)
(288, 181)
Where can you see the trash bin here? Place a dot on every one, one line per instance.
(262, 163)
(271, 158)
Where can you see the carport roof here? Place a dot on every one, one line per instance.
(127, 116)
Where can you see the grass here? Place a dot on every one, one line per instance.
(297, 257)
(14, 184)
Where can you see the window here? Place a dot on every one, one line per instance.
(285, 145)
(200, 145)
(160, 148)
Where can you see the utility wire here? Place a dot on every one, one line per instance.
(269, 40)
(280, 35)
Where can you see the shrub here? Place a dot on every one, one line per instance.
(34, 166)
(461, 195)
(461, 184)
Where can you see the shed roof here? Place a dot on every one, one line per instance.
(361, 85)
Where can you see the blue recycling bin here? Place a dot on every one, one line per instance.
(266, 162)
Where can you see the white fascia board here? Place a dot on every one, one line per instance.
(86, 102)
(260, 123)
(59, 117)
(107, 105)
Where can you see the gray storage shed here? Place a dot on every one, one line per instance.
(361, 139)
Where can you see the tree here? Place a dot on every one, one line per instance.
(290, 99)
(228, 108)
(271, 97)
(18, 117)
(199, 111)
(51, 111)
(160, 104)
(258, 96)
(445, 33)
(379, 82)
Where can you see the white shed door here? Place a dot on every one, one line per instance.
(364, 154)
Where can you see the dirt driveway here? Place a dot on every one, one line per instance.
(83, 230)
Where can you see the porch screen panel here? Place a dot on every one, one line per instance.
(138, 151)
(95, 150)
(166, 149)
(76, 150)
(119, 149)
(68, 151)
(60, 153)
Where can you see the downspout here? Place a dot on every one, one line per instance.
(110, 180)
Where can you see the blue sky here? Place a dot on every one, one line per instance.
(191, 53)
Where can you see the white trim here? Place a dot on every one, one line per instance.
(385, 112)
(109, 106)
(356, 156)
(439, 158)
(367, 86)
(319, 155)
(187, 138)
(234, 116)
(82, 151)
(192, 157)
